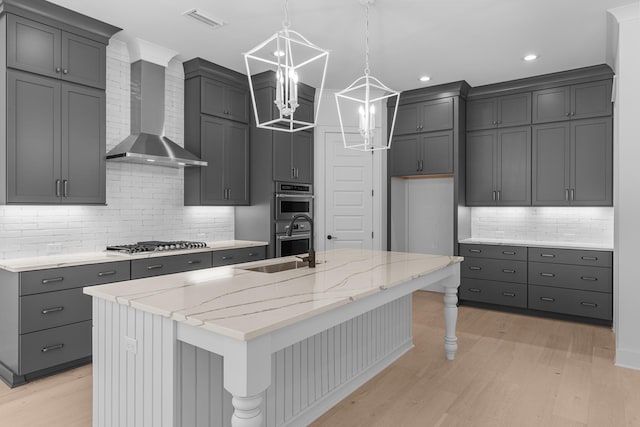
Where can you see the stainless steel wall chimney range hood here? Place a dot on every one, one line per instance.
(147, 144)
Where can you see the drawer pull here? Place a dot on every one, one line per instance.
(589, 304)
(547, 275)
(509, 271)
(547, 255)
(225, 258)
(475, 251)
(509, 294)
(475, 268)
(590, 258)
(589, 279)
(52, 310)
(252, 254)
(52, 280)
(51, 348)
(476, 290)
(194, 261)
(508, 252)
(547, 299)
(106, 273)
(154, 267)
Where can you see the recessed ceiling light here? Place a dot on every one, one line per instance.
(530, 57)
(424, 78)
(278, 53)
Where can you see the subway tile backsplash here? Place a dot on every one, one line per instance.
(144, 202)
(587, 225)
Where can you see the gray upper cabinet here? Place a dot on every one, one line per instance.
(45, 50)
(55, 141)
(404, 156)
(503, 111)
(499, 167)
(422, 154)
(572, 163)
(574, 102)
(293, 156)
(224, 100)
(429, 116)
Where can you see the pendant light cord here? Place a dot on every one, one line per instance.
(286, 23)
(366, 40)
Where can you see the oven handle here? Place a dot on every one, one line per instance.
(304, 196)
(298, 236)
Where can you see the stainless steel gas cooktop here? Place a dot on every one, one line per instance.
(156, 245)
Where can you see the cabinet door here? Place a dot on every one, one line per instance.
(237, 103)
(591, 162)
(282, 161)
(407, 119)
(33, 47)
(481, 114)
(212, 175)
(591, 100)
(83, 145)
(33, 139)
(404, 156)
(481, 168)
(437, 153)
(212, 100)
(304, 111)
(551, 162)
(552, 105)
(514, 110)
(437, 115)
(83, 61)
(302, 155)
(236, 163)
(514, 167)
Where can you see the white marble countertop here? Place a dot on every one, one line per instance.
(243, 304)
(18, 265)
(538, 243)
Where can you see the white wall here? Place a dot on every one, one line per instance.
(626, 180)
(143, 202)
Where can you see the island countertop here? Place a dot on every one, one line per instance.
(243, 304)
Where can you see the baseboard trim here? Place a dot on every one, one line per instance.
(628, 359)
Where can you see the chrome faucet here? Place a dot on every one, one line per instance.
(312, 252)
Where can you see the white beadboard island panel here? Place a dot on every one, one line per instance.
(286, 346)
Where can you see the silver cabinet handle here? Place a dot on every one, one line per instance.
(58, 69)
(509, 294)
(52, 280)
(194, 261)
(589, 258)
(228, 194)
(65, 188)
(498, 192)
(106, 273)
(566, 194)
(508, 252)
(547, 255)
(509, 271)
(476, 290)
(52, 310)
(58, 183)
(154, 267)
(589, 304)
(547, 299)
(421, 162)
(589, 279)
(252, 254)
(547, 275)
(475, 268)
(417, 165)
(475, 251)
(573, 113)
(568, 113)
(225, 258)
(573, 194)
(493, 195)
(51, 348)
(65, 71)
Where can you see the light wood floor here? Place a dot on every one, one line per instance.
(510, 370)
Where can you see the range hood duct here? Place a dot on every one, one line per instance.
(147, 143)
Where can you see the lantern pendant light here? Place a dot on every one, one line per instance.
(289, 56)
(361, 97)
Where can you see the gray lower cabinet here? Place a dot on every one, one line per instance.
(573, 102)
(565, 281)
(502, 111)
(237, 256)
(498, 167)
(572, 163)
(156, 266)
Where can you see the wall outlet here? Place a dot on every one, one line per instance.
(131, 345)
(54, 248)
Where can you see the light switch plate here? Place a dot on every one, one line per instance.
(131, 345)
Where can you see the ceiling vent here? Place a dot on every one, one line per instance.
(205, 18)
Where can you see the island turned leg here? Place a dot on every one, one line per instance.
(450, 318)
(247, 411)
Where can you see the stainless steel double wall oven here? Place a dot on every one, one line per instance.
(292, 199)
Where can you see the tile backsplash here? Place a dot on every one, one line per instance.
(588, 225)
(144, 202)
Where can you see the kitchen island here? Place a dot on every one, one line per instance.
(246, 346)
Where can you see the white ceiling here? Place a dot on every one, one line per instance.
(480, 41)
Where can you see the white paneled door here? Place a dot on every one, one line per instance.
(348, 195)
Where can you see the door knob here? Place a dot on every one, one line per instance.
(329, 237)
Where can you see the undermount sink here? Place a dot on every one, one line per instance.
(282, 266)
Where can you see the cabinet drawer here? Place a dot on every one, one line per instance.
(494, 269)
(516, 253)
(568, 301)
(52, 309)
(54, 279)
(157, 266)
(502, 293)
(597, 279)
(236, 256)
(44, 349)
(571, 256)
